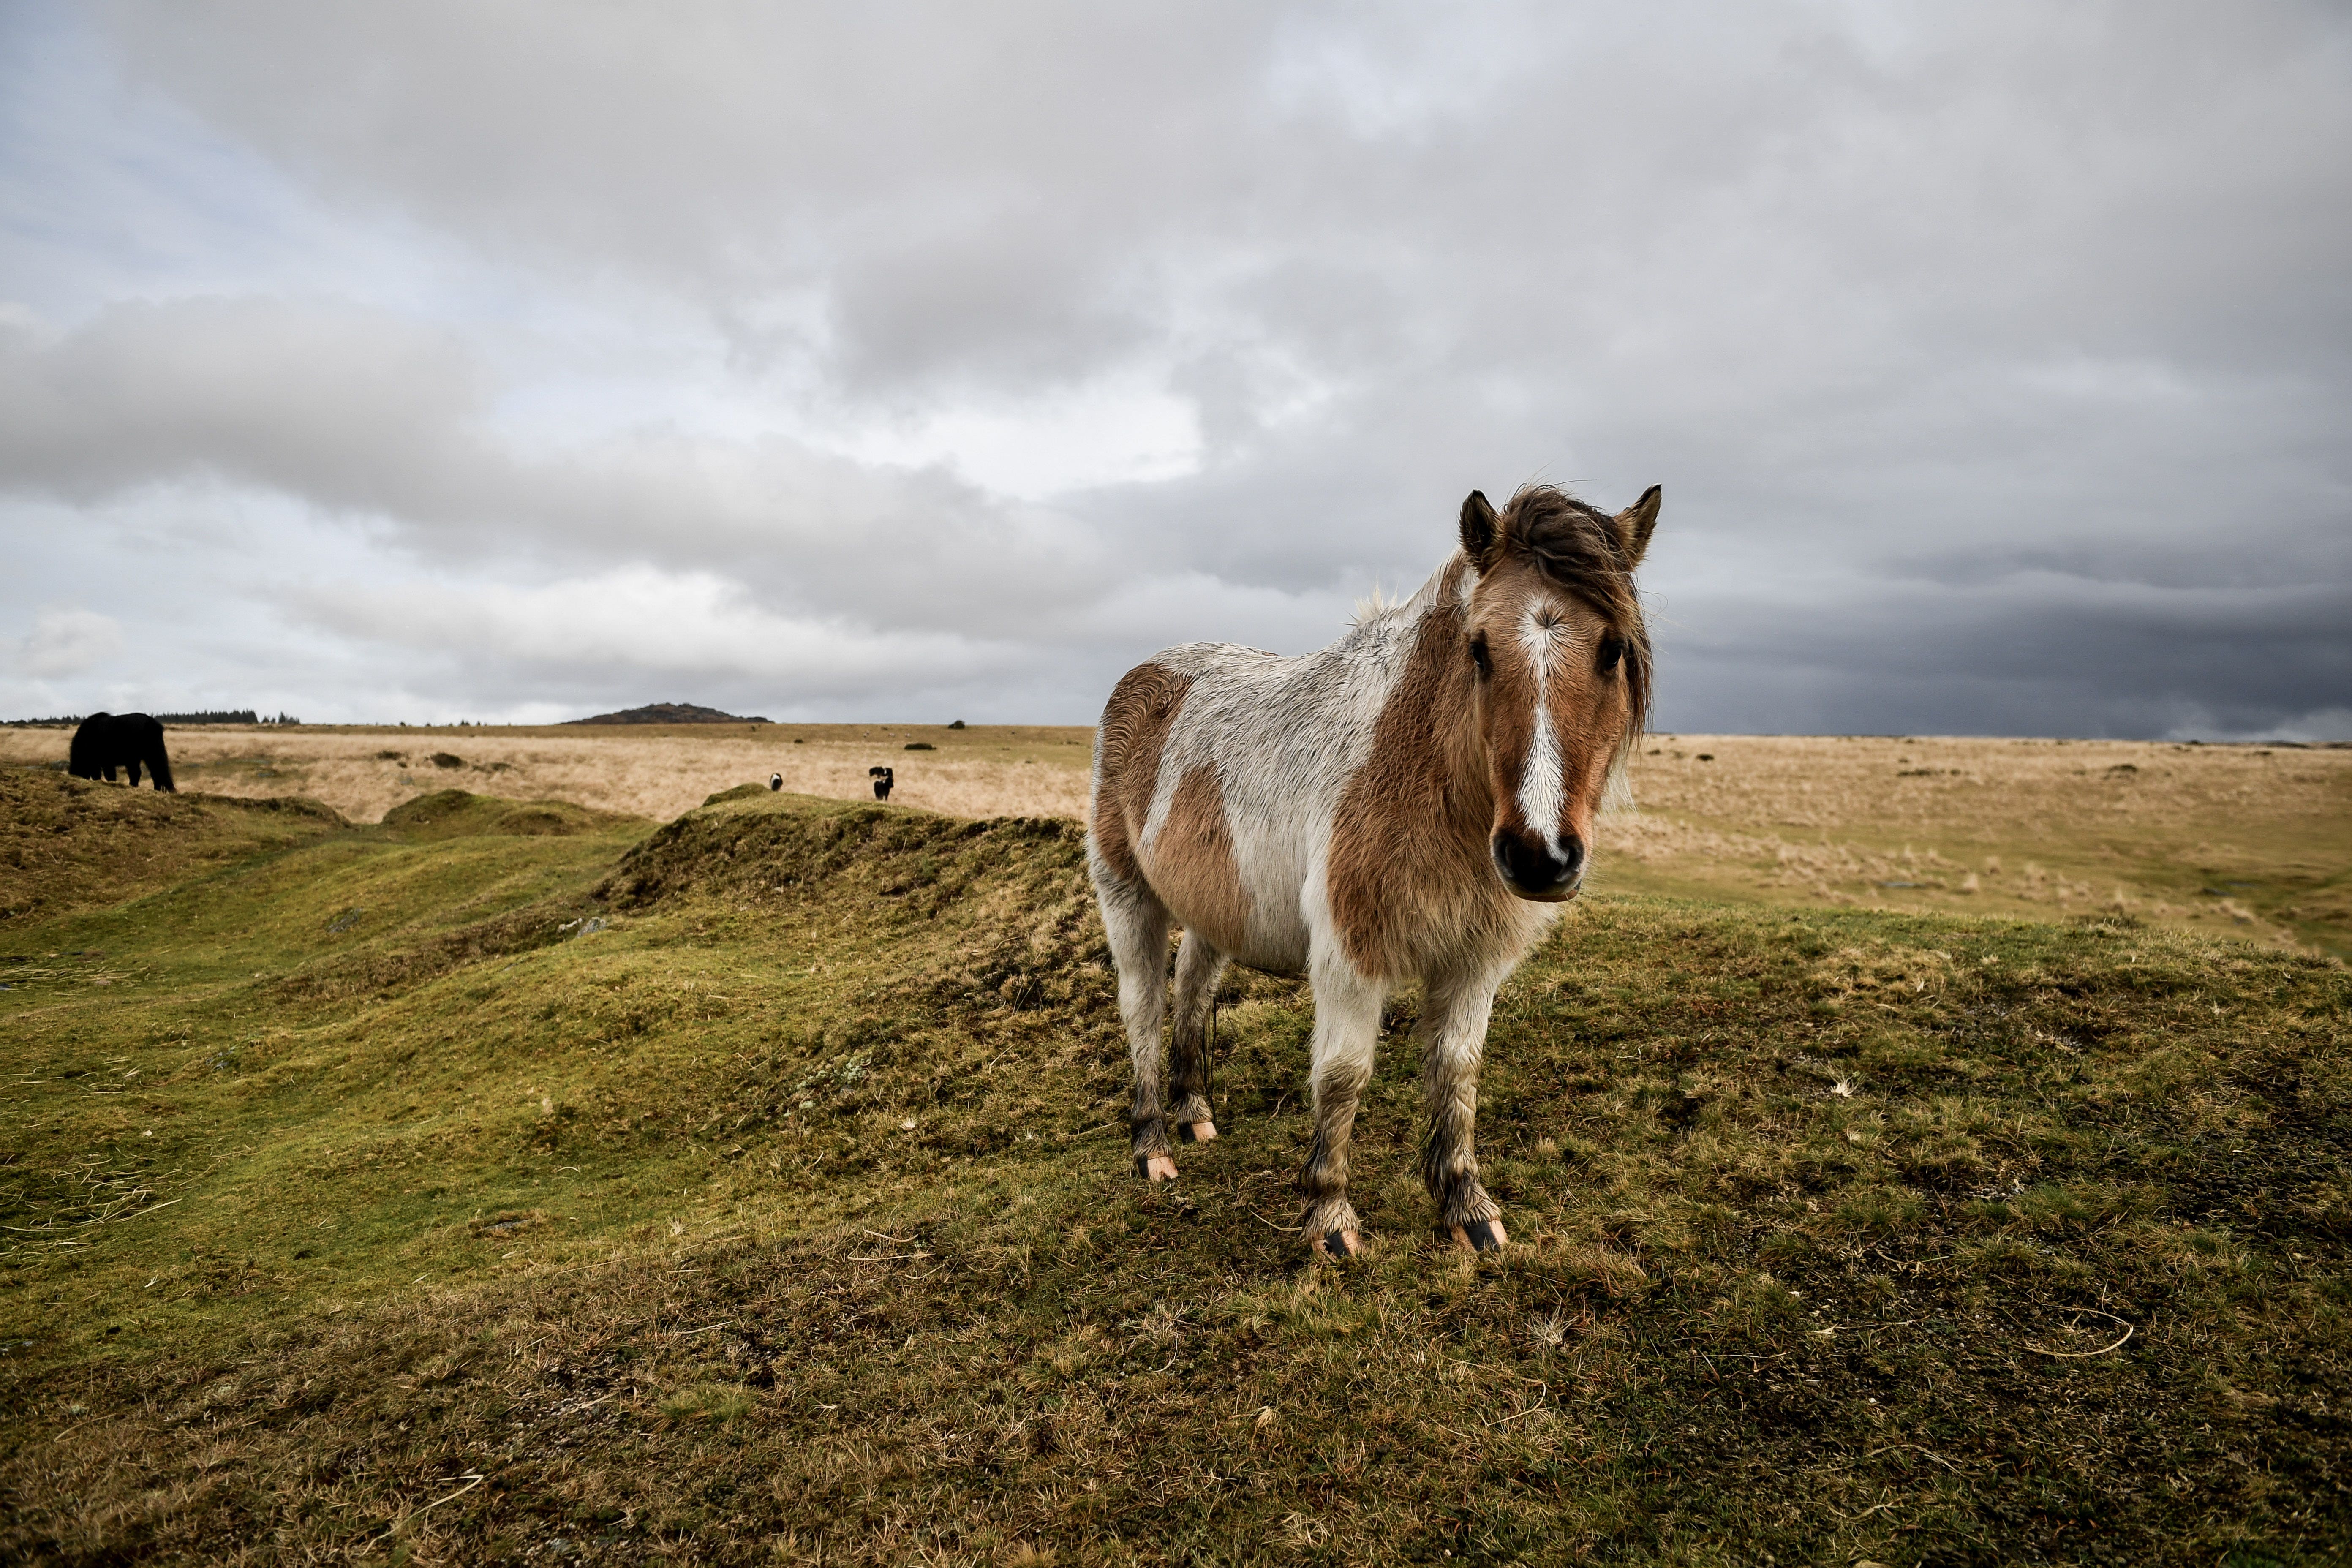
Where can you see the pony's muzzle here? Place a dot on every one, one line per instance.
(1531, 870)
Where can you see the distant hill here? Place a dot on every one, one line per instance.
(669, 713)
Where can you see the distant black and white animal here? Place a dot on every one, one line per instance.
(881, 777)
(775, 781)
(106, 741)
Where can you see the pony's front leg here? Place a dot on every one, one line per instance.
(1453, 1038)
(1199, 966)
(1137, 923)
(1347, 1029)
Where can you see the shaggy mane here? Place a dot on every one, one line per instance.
(1577, 547)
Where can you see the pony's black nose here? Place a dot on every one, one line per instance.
(1532, 869)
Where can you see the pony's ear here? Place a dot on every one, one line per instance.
(1479, 530)
(1634, 524)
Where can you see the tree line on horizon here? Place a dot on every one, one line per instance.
(210, 716)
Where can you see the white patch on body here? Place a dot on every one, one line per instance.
(1284, 736)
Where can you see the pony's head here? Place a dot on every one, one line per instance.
(1561, 664)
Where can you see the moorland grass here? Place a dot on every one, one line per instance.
(67, 844)
(2254, 840)
(755, 1189)
(644, 770)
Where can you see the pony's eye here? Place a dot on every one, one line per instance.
(1479, 656)
(1612, 650)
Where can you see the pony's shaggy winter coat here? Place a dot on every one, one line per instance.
(1412, 801)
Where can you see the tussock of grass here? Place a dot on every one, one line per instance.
(713, 1402)
(786, 1217)
(454, 814)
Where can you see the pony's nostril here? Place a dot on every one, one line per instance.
(1531, 868)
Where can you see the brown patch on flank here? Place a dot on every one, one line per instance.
(1193, 867)
(1134, 732)
(1409, 855)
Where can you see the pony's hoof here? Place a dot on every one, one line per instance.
(1337, 1244)
(1159, 1168)
(1479, 1235)
(1197, 1131)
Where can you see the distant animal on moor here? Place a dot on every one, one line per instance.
(1414, 801)
(105, 741)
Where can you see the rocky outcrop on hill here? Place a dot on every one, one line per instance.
(670, 713)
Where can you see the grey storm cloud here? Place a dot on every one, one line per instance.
(360, 413)
(1994, 361)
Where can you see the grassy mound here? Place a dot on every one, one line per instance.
(755, 1189)
(69, 844)
(456, 813)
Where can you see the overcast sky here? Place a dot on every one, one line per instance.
(915, 362)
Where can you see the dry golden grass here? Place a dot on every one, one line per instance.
(656, 771)
(2252, 839)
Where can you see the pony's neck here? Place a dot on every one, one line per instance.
(1439, 673)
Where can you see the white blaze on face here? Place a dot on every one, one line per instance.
(1543, 787)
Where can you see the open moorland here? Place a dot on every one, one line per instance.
(2253, 839)
(653, 771)
(510, 1180)
(2257, 839)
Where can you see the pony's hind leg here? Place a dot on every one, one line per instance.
(1199, 967)
(1453, 1039)
(1347, 1030)
(1137, 923)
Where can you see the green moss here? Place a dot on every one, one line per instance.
(716, 1403)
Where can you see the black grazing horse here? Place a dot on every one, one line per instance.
(110, 741)
(882, 781)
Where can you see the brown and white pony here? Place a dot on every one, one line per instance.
(1414, 800)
